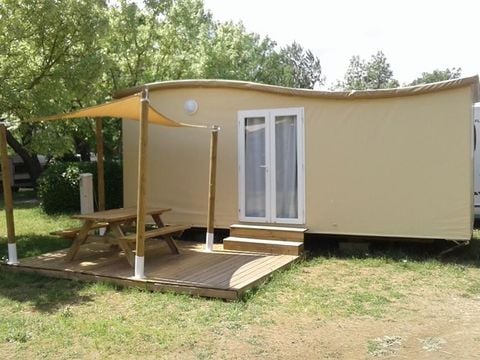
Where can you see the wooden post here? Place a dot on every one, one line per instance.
(211, 189)
(7, 196)
(142, 187)
(100, 164)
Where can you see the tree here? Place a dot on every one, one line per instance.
(133, 43)
(170, 40)
(233, 53)
(302, 67)
(185, 34)
(372, 74)
(49, 59)
(60, 55)
(437, 75)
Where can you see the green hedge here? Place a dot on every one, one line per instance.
(58, 187)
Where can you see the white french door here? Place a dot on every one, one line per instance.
(271, 166)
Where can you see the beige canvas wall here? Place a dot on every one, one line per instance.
(395, 166)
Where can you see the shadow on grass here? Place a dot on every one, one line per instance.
(43, 293)
(32, 245)
(368, 248)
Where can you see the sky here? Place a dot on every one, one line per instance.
(415, 36)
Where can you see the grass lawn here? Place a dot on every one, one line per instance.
(398, 300)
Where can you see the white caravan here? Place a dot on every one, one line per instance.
(476, 122)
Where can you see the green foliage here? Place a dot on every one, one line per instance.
(185, 37)
(131, 45)
(60, 55)
(437, 75)
(236, 54)
(302, 66)
(372, 74)
(49, 62)
(179, 40)
(59, 191)
(50, 54)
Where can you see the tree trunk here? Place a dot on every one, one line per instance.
(31, 162)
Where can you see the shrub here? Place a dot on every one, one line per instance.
(58, 187)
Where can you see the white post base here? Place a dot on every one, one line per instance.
(139, 267)
(209, 242)
(12, 254)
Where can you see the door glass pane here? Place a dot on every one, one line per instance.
(286, 167)
(255, 161)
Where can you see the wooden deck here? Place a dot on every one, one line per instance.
(221, 274)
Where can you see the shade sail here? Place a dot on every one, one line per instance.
(127, 108)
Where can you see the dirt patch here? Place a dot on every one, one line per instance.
(426, 321)
(448, 328)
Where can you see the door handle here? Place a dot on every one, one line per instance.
(263, 166)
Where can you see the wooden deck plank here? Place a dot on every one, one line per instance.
(219, 271)
(248, 273)
(223, 281)
(122, 269)
(91, 260)
(242, 288)
(199, 262)
(224, 269)
(259, 273)
(195, 273)
(197, 282)
(191, 262)
(168, 264)
(148, 285)
(255, 272)
(220, 274)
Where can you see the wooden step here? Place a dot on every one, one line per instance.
(280, 247)
(268, 232)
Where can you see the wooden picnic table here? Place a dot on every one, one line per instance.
(116, 221)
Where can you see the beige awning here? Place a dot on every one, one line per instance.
(126, 108)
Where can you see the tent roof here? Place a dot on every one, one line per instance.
(472, 81)
(128, 108)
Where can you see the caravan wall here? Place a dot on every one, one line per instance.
(476, 122)
(395, 165)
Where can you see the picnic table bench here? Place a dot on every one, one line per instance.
(72, 233)
(116, 221)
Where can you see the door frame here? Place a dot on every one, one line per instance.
(270, 186)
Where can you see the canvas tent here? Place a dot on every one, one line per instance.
(134, 107)
(387, 163)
